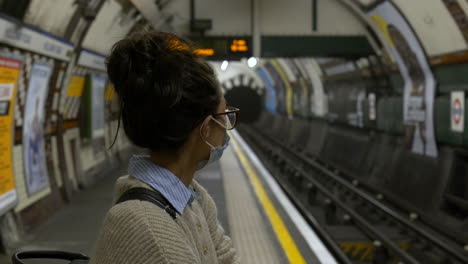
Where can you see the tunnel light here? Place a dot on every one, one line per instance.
(252, 62)
(224, 65)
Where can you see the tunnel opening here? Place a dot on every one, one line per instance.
(249, 101)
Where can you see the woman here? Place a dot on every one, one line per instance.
(171, 105)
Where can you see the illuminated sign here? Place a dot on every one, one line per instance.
(205, 52)
(239, 45)
(223, 48)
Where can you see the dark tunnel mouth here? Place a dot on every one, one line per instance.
(248, 100)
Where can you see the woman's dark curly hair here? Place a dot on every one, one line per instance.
(164, 87)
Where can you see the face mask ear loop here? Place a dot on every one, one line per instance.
(208, 143)
(219, 123)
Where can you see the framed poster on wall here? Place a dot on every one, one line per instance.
(270, 97)
(280, 89)
(98, 87)
(98, 83)
(36, 176)
(9, 75)
(72, 100)
(419, 82)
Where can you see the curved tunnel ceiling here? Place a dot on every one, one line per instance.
(433, 24)
(112, 23)
(41, 14)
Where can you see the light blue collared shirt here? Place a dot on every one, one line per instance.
(163, 181)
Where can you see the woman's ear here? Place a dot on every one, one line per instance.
(205, 127)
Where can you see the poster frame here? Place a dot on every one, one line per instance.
(14, 202)
(270, 93)
(454, 127)
(98, 132)
(47, 185)
(433, 151)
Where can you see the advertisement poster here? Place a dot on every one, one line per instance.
(287, 87)
(74, 91)
(270, 98)
(457, 111)
(98, 83)
(9, 74)
(306, 87)
(372, 106)
(300, 89)
(33, 129)
(318, 98)
(76, 85)
(419, 82)
(98, 88)
(280, 90)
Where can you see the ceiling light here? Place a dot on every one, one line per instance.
(252, 62)
(224, 65)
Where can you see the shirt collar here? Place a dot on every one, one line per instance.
(163, 181)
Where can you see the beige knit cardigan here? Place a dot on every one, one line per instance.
(140, 232)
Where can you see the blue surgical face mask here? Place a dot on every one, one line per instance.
(215, 153)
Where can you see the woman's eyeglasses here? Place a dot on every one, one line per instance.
(230, 121)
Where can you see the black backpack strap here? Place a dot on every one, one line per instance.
(42, 254)
(151, 196)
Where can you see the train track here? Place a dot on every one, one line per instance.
(359, 226)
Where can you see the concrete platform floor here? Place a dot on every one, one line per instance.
(76, 225)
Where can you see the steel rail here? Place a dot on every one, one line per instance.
(361, 222)
(459, 254)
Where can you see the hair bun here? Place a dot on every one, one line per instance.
(149, 54)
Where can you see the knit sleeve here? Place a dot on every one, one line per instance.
(225, 250)
(124, 239)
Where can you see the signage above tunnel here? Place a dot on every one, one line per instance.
(223, 48)
(315, 46)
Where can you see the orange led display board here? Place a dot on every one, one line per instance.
(223, 48)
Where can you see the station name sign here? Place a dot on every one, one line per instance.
(92, 60)
(33, 40)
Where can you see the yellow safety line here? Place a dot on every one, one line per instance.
(281, 232)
